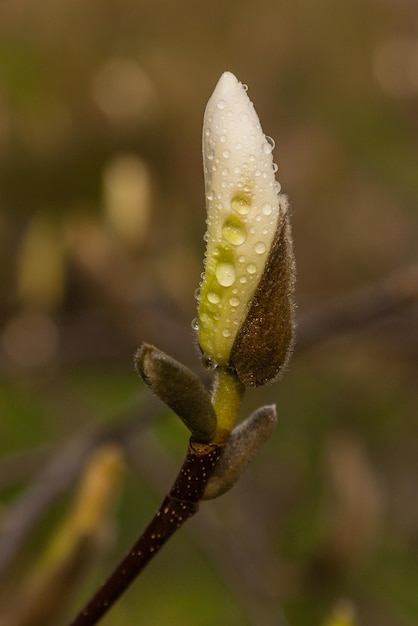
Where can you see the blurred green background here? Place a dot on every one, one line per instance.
(101, 224)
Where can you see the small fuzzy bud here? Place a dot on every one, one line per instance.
(240, 449)
(180, 389)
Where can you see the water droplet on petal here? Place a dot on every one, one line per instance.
(244, 86)
(226, 154)
(213, 297)
(275, 168)
(195, 324)
(241, 204)
(197, 294)
(251, 268)
(234, 232)
(225, 274)
(267, 149)
(208, 361)
(270, 141)
(226, 332)
(267, 208)
(260, 247)
(221, 104)
(210, 195)
(234, 301)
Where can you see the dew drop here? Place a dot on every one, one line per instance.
(237, 170)
(234, 301)
(222, 138)
(225, 171)
(195, 324)
(251, 268)
(210, 195)
(275, 168)
(206, 237)
(241, 204)
(197, 294)
(277, 187)
(226, 332)
(221, 104)
(270, 141)
(243, 279)
(234, 232)
(225, 274)
(213, 297)
(267, 208)
(244, 86)
(210, 156)
(266, 148)
(208, 361)
(226, 154)
(260, 247)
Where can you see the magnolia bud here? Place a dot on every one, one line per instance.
(245, 314)
(240, 449)
(180, 389)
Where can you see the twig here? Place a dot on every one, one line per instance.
(178, 506)
(248, 573)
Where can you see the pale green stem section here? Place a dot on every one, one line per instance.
(226, 400)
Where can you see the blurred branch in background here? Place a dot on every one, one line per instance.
(82, 338)
(46, 590)
(59, 474)
(390, 298)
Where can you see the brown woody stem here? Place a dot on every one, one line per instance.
(178, 506)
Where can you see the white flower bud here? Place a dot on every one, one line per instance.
(244, 213)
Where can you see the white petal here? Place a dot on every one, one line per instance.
(243, 210)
